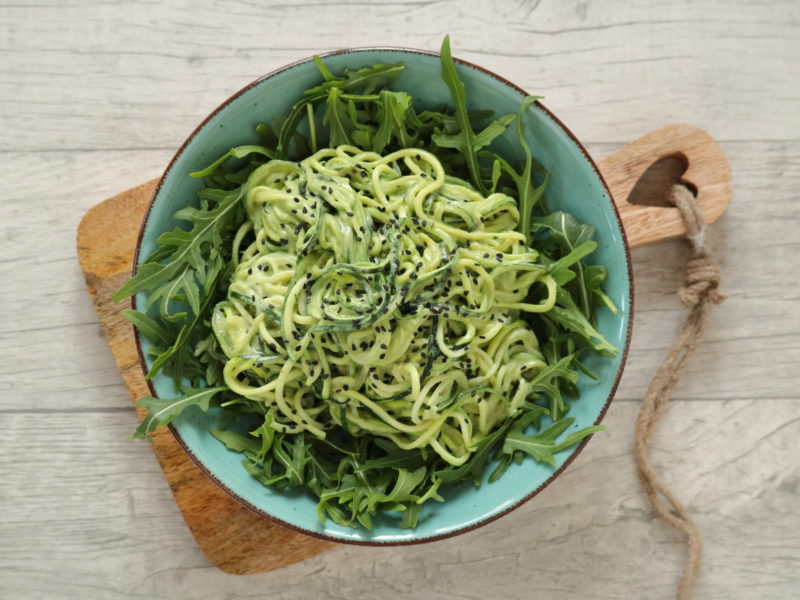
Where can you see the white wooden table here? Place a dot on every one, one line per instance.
(96, 96)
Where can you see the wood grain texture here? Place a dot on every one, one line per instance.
(114, 531)
(707, 172)
(614, 63)
(233, 537)
(96, 96)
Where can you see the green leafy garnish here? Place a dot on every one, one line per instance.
(544, 445)
(466, 141)
(161, 411)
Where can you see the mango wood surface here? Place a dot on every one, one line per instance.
(707, 172)
(233, 537)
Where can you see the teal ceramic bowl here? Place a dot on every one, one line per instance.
(575, 186)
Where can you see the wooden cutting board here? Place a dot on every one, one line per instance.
(232, 536)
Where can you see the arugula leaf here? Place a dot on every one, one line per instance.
(267, 435)
(594, 276)
(543, 446)
(238, 152)
(549, 381)
(466, 141)
(337, 119)
(560, 269)
(323, 69)
(161, 411)
(407, 482)
(249, 446)
(565, 229)
(180, 341)
(391, 116)
(411, 516)
(150, 328)
(476, 465)
(529, 195)
(502, 466)
(364, 80)
(567, 235)
(189, 250)
(567, 314)
(341, 494)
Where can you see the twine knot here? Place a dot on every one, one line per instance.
(699, 292)
(702, 282)
(702, 270)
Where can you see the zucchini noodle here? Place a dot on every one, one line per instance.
(380, 295)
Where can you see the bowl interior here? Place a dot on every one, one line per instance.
(574, 187)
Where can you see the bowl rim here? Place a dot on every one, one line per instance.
(487, 519)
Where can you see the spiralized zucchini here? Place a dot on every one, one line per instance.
(380, 295)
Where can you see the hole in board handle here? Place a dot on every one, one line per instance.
(652, 187)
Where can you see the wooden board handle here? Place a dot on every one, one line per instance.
(707, 172)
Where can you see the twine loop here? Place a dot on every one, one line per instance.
(700, 290)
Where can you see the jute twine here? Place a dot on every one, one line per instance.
(699, 292)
